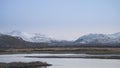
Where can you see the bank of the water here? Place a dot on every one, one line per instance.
(62, 50)
(23, 64)
(94, 57)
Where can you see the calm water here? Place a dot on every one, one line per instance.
(64, 62)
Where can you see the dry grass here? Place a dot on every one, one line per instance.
(88, 50)
(23, 64)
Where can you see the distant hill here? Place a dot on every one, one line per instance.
(31, 37)
(99, 39)
(7, 41)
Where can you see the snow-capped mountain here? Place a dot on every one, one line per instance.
(86, 39)
(30, 37)
(115, 35)
(99, 38)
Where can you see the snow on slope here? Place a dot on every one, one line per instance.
(86, 39)
(99, 38)
(30, 37)
(115, 35)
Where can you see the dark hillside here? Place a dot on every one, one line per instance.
(7, 41)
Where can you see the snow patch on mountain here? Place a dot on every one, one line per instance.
(115, 35)
(30, 36)
(99, 38)
(86, 39)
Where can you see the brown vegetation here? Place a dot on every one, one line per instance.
(87, 50)
(23, 64)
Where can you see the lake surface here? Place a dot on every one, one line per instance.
(63, 62)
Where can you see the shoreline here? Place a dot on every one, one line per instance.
(62, 50)
(88, 56)
(23, 64)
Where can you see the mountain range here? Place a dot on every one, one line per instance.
(24, 39)
(86, 39)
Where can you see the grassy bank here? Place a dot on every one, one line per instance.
(87, 50)
(98, 57)
(23, 64)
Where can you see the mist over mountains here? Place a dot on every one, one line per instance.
(17, 39)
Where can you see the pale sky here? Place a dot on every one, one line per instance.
(60, 19)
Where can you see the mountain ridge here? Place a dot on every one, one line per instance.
(37, 37)
(85, 40)
(99, 38)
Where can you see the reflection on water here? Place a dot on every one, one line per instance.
(63, 62)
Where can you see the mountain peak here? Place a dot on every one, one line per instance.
(99, 38)
(30, 37)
